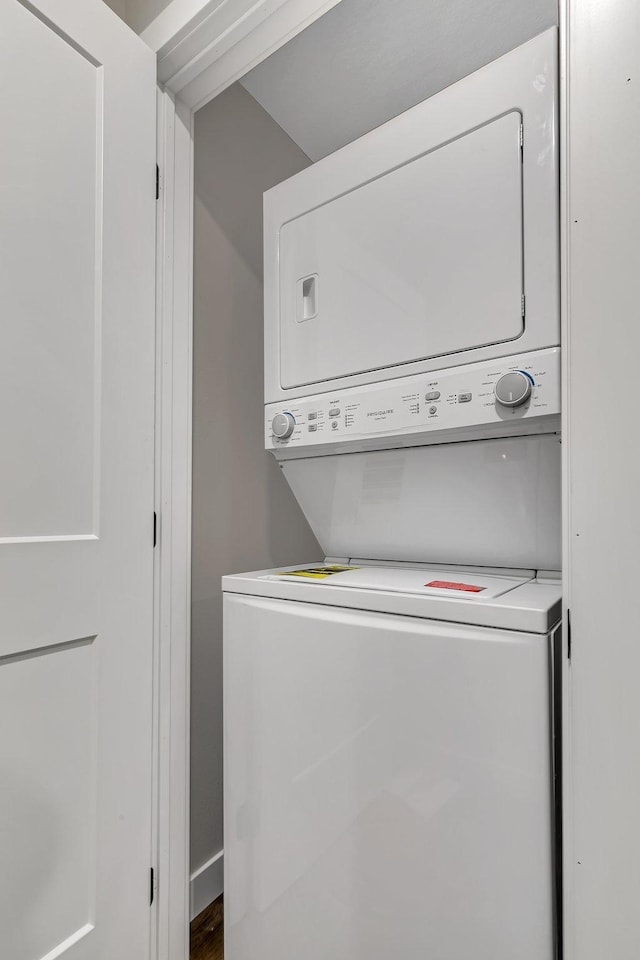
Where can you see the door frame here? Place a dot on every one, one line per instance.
(202, 46)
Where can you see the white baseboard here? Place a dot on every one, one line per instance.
(206, 884)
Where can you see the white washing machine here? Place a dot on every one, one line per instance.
(389, 769)
(389, 719)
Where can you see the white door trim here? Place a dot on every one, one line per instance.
(203, 47)
(565, 336)
(173, 499)
(218, 42)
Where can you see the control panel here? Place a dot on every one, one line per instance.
(505, 394)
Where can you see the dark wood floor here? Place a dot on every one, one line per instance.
(207, 933)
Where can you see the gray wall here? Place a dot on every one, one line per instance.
(244, 516)
(366, 61)
(119, 6)
(138, 13)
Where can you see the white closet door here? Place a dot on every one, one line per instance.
(77, 170)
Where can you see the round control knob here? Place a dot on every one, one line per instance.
(282, 425)
(513, 389)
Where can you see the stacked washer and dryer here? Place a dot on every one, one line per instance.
(390, 732)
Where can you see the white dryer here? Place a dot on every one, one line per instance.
(389, 768)
(428, 243)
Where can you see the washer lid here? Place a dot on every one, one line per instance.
(517, 602)
(441, 583)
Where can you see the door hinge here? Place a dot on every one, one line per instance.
(523, 305)
(155, 528)
(568, 634)
(157, 182)
(521, 137)
(151, 886)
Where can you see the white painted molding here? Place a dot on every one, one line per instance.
(173, 499)
(603, 209)
(177, 19)
(567, 928)
(224, 25)
(204, 47)
(207, 883)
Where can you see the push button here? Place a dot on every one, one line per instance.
(433, 410)
(464, 397)
(335, 412)
(312, 427)
(312, 416)
(334, 424)
(433, 395)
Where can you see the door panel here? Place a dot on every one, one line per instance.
(48, 797)
(77, 288)
(424, 261)
(50, 192)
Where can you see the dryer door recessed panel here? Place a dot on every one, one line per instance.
(422, 262)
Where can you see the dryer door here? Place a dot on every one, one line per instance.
(423, 262)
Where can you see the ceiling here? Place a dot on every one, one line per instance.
(366, 61)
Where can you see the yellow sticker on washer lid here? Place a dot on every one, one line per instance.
(317, 573)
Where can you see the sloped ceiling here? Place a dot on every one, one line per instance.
(366, 61)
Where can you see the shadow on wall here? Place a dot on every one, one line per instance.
(366, 61)
(241, 152)
(138, 13)
(244, 515)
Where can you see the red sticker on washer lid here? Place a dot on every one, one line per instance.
(449, 585)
